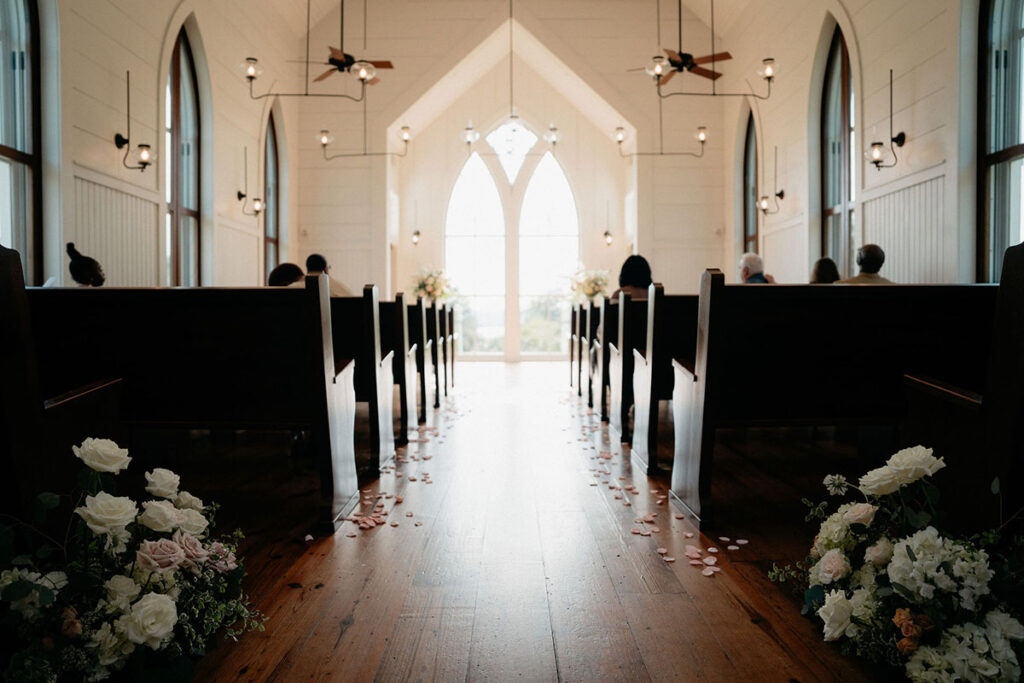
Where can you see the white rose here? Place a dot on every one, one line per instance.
(150, 621)
(186, 501)
(835, 613)
(112, 645)
(162, 483)
(1005, 625)
(911, 464)
(102, 455)
(880, 482)
(107, 514)
(832, 566)
(193, 522)
(880, 553)
(861, 513)
(121, 590)
(160, 515)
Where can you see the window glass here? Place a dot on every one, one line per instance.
(511, 141)
(183, 186)
(750, 188)
(270, 185)
(838, 163)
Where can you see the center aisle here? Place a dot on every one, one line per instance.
(511, 556)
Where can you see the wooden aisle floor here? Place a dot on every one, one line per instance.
(517, 562)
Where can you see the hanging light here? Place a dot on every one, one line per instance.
(883, 156)
(620, 134)
(768, 69)
(608, 237)
(144, 155)
(469, 135)
(325, 138)
(257, 203)
(406, 134)
(779, 194)
(415, 236)
(658, 67)
(364, 71)
(702, 134)
(251, 68)
(552, 136)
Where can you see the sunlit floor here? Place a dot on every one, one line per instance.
(514, 558)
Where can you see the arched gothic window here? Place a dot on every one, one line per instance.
(271, 216)
(750, 188)
(182, 222)
(838, 140)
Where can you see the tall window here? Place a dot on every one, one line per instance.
(271, 217)
(549, 245)
(750, 188)
(181, 228)
(475, 258)
(838, 139)
(1001, 131)
(20, 135)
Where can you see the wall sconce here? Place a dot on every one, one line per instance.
(620, 134)
(779, 194)
(879, 154)
(144, 154)
(608, 238)
(469, 135)
(553, 135)
(257, 203)
(415, 236)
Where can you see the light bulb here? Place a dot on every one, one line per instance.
(763, 203)
(702, 134)
(658, 66)
(145, 155)
(607, 237)
(415, 236)
(552, 136)
(620, 134)
(769, 69)
(257, 205)
(364, 71)
(406, 135)
(251, 68)
(469, 136)
(325, 138)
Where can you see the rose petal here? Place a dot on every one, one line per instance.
(687, 535)
(742, 541)
(696, 563)
(408, 514)
(635, 531)
(734, 547)
(669, 559)
(663, 551)
(710, 560)
(723, 539)
(352, 534)
(712, 550)
(679, 515)
(655, 529)
(708, 572)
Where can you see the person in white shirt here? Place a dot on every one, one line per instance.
(316, 264)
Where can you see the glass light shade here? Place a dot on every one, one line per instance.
(251, 68)
(552, 136)
(325, 138)
(620, 134)
(469, 136)
(607, 237)
(763, 203)
(145, 155)
(415, 236)
(769, 68)
(257, 205)
(878, 154)
(406, 134)
(658, 66)
(364, 71)
(702, 134)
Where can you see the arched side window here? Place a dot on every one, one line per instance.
(1001, 134)
(750, 188)
(838, 231)
(475, 258)
(21, 135)
(271, 216)
(549, 245)
(181, 229)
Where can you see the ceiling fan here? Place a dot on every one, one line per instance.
(662, 69)
(342, 62)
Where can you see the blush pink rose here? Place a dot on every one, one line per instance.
(161, 556)
(195, 554)
(221, 559)
(861, 513)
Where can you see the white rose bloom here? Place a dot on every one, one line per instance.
(834, 533)
(911, 464)
(160, 515)
(193, 522)
(861, 513)
(862, 606)
(55, 581)
(121, 590)
(151, 620)
(880, 482)
(835, 613)
(112, 644)
(880, 553)
(162, 483)
(832, 566)
(109, 515)
(186, 501)
(102, 455)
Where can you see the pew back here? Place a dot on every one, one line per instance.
(394, 331)
(424, 356)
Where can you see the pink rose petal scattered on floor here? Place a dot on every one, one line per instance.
(696, 563)
(734, 547)
(412, 478)
(655, 529)
(635, 532)
(618, 496)
(626, 503)
(715, 569)
(394, 523)
(663, 551)
(408, 514)
(710, 560)
(351, 534)
(692, 548)
(419, 523)
(669, 559)
(645, 533)
(708, 572)
(687, 534)
(723, 539)
(680, 515)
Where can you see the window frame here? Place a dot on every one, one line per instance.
(846, 206)
(34, 159)
(174, 206)
(272, 203)
(750, 209)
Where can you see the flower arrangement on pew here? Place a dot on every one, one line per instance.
(586, 284)
(888, 584)
(126, 593)
(433, 284)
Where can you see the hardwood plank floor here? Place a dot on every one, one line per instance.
(518, 562)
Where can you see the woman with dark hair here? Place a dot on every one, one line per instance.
(634, 278)
(284, 275)
(824, 272)
(84, 270)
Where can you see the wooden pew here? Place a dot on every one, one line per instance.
(356, 322)
(572, 347)
(813, 354)
(424, 357)
(446, 337)
(671, 334)
(436, 354)
(607, 330)
(395, 339)
(212, 358)
(631, 331)
(452, 340)
(593, 323)
(579, 346)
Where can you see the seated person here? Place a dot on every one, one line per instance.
(634, 278)
(752, 270)
(286, 275)
(85, 271)
(825, 272)
(316, 264)
(870, 258)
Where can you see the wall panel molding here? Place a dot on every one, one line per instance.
(118, 228)
(909, 224)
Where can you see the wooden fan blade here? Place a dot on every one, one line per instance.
(717, 57)
(706, 73)
(336, 53)
(381, 63)
(667, 77)
(642, 68)
(672, 54)
(373, 81)
(303, 61)
(325, 75)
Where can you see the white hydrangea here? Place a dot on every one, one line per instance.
(925, 574)
(970, 652)
(862, 605)
(114, 647)
(834, 533)
(29, 606)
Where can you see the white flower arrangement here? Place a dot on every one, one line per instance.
(433, 284)
(127, 590)
(586, 284)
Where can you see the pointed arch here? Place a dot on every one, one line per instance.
(548, 256)
(475, 257)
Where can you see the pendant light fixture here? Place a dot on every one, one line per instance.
(701, 135)
(878, 154)
(144, 155)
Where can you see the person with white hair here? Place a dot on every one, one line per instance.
(752, 270)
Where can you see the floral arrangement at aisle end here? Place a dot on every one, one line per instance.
(893, 589)
(586, 284)
(129, 593)
(433, 284)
